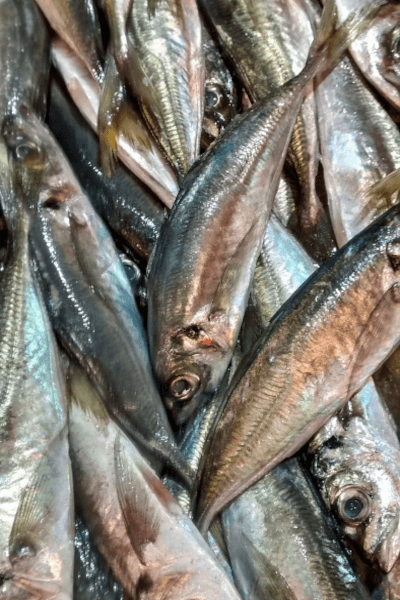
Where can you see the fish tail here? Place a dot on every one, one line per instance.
(330, 44)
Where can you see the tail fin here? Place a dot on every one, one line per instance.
(329, 45)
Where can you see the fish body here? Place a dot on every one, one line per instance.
(268, 42)
(376, 51)
(141, 156)
(200, 282)
(36, 499)
(77, 23)
(360, 145)
(24, 57)
(93, 578)
(165, 70)
(128, 208)
(90, 302)
(280, 543)
(317, 352)
(151, 546)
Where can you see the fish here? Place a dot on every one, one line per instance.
(36, 497)
(142, 156)
(268, 41)
(131, 211)
(360, 146)
(152, 547)
(376, 51)
(199, 282)
(77, 23)
(282, 545)
(319, 350)
(24, 58)
(165, 71)
(220, 93)
(93, 578)
(358, 474)
(90, 302)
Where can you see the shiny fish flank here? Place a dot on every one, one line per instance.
(360, 145)
(376, 51)
(91, 305)
(269, 41)
(153, 548)
(36, 499)
(281, 546)
(165, 71)
(200, 283)
(142, 156)
(130, 210)
(24, 57)
(317, 352)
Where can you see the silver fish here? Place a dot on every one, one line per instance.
(153, 548)
(36, 499)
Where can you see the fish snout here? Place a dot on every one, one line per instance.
(387, 549)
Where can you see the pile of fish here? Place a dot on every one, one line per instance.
(200, 300)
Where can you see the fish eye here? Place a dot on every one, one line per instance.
(183, 387)
(353, 505)
(24, 150)
(213, 97)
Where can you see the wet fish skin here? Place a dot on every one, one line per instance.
(200, 283)
(268, 42)
(77, 23)
(165, 71)
(376, 52)
(321, 337)
(36, 499)
(24, 57)
(141, 157)
(221, 101)
(351, 465)
(91, 305)
(93, 578)
(151, 546)
(280, 544)
(360, 145)
(128, 208)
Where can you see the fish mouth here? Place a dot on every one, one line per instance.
(387, 550)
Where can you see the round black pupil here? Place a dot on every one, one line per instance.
(180, 386)
(353, 507)
(211, 99)
(23, 151)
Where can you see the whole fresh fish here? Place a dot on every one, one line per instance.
(201, 269)
(36, 500)
(93, 578)
(153, 549)
(76, 22)
(376, 51)
(220, 101)
(142, 156)
(24, 57)
(128, 208)
(317, 352)
(165, 71)
(360, 145)
(358, 472)
(268, 42)
(91, 304)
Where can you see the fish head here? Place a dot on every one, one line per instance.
(192, 367)
(388, 47)
(360, 477)
(220, 106)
